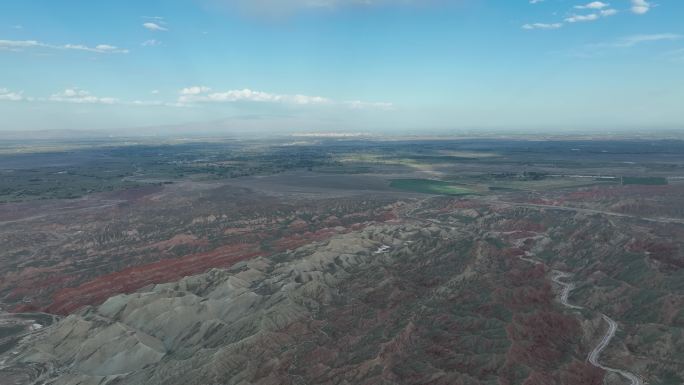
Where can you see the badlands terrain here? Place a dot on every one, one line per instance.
(461, 262)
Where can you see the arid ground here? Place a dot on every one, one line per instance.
(491, 261)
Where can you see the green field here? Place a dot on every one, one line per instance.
(652, 181)
(543, 184)
(429, 186)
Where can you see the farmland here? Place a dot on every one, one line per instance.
(428, 186)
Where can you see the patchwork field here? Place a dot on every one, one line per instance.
(428, 186)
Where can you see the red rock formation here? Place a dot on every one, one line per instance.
(95, 291)
(128, 280)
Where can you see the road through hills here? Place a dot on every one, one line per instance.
(595, 354)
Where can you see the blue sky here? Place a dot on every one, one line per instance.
(359, 65)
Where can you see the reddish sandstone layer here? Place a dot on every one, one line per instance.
(88, 279)
(128, 280)
(94, 292)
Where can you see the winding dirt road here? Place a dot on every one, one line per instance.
(567, 288)
(595, 354)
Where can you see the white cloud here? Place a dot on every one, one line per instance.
(542, 26)
(79, 96)
(599, 8)
(154, 26)
(608, 12)
(20, 45)
(359, 105)
(195, 90)
(592, 50)
(75, 95)
(633, 40)
(536, 1)
(6, 94)
(593, 5)
(16, 45)
(100, 48)
(640, 6)
(149, 103)
(302, 99)
(193, 96)
(203, 94)
(150, 43)
(580, 18)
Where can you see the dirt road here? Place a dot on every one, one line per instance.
(595, 354)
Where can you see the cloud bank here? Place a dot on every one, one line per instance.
(640, 6)
(202, 94)
(197, 94)
(22, 45)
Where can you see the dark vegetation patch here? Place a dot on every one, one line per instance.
(647, 180)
